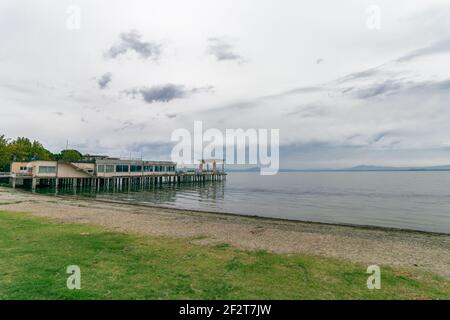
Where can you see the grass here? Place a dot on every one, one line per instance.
(35, 252)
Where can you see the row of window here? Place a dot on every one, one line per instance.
(45, 169)
(133, 168)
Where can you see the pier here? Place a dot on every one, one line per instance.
(107, 174)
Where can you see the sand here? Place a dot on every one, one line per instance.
(381, 246)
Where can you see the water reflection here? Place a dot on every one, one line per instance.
(170, 195)
(410, 200)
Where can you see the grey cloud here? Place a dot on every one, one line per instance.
(383, 88)
(202, 89)
(300, 90)
(256, 102)
(222, 50)
(377, 137)
(126, 125)
(157, 150)
(436, 48)
(439, 85)
(309, 111)
(132, 41)
(395, 86)
(104, 80)
(164, 93)
(360, 75)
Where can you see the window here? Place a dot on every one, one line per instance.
(148, 168)
(109, 168)
(100, 168)
(122, 168)
(46, 169)
(135, 168)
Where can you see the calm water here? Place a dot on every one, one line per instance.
(412, 200)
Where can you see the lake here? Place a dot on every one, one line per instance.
(409, 200)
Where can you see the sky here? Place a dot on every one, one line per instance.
(346, 82)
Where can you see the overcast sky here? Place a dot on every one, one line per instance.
(341, 90)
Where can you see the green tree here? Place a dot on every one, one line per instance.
(38, 152)
(5, 156)
(21, 149)
(70, 155)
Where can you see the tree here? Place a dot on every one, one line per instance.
(21, 149)
(4, 154)
(38, 152)
(70, 155)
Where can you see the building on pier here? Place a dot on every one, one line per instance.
(99, 168)
(100, 171)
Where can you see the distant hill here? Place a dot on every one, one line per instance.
(362, 168)
(381, 168)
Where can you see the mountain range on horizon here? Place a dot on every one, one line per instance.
(355, 169)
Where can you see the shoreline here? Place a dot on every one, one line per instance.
(241, 215)
(424, 250)
(232, 214)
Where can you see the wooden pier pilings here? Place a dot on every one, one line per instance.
(96, 183)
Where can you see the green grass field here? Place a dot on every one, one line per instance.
(35, 252)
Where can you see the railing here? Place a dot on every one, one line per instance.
(197, 171)
(22, 174)
(6, 174)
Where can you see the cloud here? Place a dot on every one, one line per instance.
(104, 80)
(131, 125)
(309, 111)
(223, 50)
(377, 89)
(369, 73)
(132, 41)
(161, 93)
(396, 86)
(159, 151)
(436, 48)
(165, 93)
